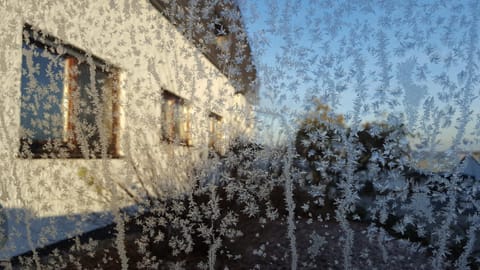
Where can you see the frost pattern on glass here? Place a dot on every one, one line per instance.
(239, 134)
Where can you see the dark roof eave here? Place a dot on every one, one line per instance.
(244, 73)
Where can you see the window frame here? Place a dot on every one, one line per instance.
(175, 120)
(215, 134)
(68, 146)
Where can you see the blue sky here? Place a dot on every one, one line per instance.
(416, 60)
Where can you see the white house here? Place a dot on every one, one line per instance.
(104, 99)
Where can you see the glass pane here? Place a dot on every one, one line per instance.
(168, 116)
(93, 106)
(42, 93)
(179, 122)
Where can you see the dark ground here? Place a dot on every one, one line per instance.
(262, 246)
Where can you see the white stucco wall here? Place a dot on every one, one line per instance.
(135, 37)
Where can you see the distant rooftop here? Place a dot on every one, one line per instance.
(443, 162)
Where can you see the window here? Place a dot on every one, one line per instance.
(215, 136)
(221, 32)
(220, 28)
(69, 101)
(175, 120)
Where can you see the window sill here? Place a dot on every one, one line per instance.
(70, 157)
(179, 143)
(35, 150)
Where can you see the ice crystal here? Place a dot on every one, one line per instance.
(239, 134)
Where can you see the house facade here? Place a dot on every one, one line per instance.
(103, 101)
